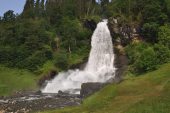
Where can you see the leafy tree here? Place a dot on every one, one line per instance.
(152, 12)
(150, 31)
(167, 2)
(9, 16)
(164, 35)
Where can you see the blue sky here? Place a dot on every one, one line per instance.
(15, 5)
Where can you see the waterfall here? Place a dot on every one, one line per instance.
(100, 66)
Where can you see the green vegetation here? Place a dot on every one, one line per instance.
(12, 80)
(144, 57)
(148, 93)
(45, 37)
(55, 36)
(164, 36)
(42, 31)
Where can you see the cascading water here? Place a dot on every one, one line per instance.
(99, 68)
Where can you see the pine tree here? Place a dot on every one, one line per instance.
(37, 8)
(104, 4)
(42, 8)
(28, 9)
(42, 4)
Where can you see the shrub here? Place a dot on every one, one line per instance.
(134, 50)
(162, 53)
(164, 35)
(144, 57)
(146, 60)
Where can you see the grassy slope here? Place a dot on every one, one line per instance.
(149, 93)
(13, 80)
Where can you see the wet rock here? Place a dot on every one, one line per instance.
(36, 103)
(121, 63)
(88, 89)
(90, 24)
(4, 101)
(60, 93)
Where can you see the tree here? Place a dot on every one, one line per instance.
(104, 4)
(28, 11)
(42, 8)
(150, 31)
(164, 35)
(37, 8)
(9, 16)
(167, 2)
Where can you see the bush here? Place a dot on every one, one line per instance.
(134, 50)
(146, 60)
(162, 53)
(164, 35)
(144, 57)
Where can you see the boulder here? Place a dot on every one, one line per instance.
(90, 88)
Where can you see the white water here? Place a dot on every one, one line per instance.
(98, 69)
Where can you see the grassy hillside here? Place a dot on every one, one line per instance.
(13, 80)
(148, 93)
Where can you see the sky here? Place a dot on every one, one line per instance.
(15, 5)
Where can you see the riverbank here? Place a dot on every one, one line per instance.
(26, 102)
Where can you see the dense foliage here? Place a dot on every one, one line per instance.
(43, 31)
(148, 15)
(145, 57)
(55, 31)
(151, 19)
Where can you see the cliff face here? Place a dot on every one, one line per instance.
(122, 33)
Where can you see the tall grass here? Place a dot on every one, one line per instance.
(12, 80)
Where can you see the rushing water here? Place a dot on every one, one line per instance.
(99, 68)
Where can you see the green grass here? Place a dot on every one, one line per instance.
(12, 80)
(148, 93)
